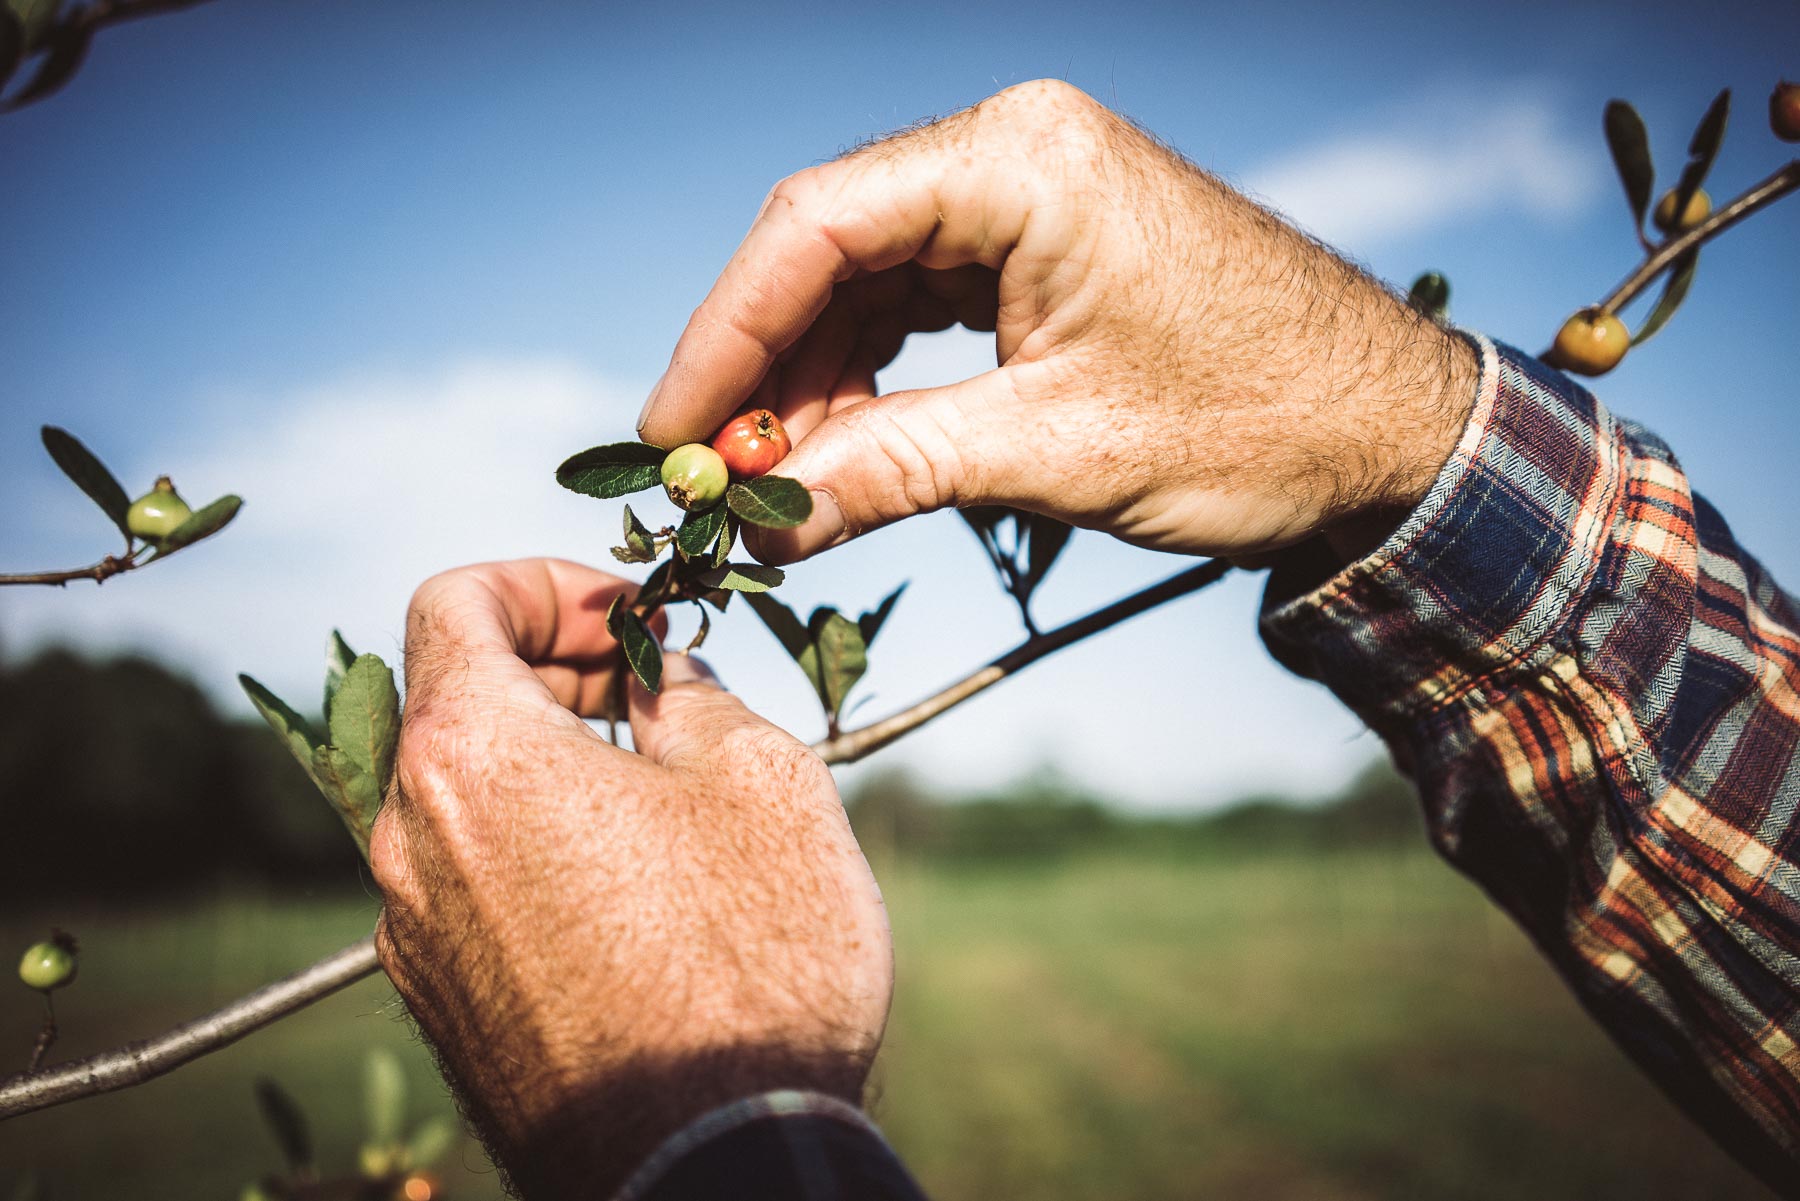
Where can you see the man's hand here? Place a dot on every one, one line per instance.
(1176, 366)
(602, 945)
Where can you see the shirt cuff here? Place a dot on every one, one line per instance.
(717, 1123)
(1492, 564)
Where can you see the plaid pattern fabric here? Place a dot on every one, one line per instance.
(780, 1146)
(1598, 693)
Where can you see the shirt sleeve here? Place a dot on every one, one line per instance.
(1595, 689)
(779, 1146)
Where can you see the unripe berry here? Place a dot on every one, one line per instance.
(157, 513)
(1590, 343)
(752, 443)
(50, 964)
(1699, 208)
(1784, 111)
(694, 476)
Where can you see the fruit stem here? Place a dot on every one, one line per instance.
(46, 1036)
(1760, 195)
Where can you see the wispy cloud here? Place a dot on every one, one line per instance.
(1433, 166)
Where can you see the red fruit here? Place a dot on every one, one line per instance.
(1784, 111)
(752, 443)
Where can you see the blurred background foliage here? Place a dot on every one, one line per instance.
(1290, 998)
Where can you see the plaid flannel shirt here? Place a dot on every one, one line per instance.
(1598, 693)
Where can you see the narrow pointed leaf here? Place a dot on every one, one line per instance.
(384, 1097)
(431, 1142)
(1675, 290)
(365, 717)
(1045, 538)
(699, 638)
(89, 473)
(203, 524)
(781, 622)
(699, 529)
(626, 554)
(281, 717)
(843, 656)
(870, 623)
(742, 577)
(727, 540)
(773, 501)
(287, 1123)
(618, 469)
(638, 536)
(68, 47)
(642, 651)
(338, 658)
(657, 579)
(718, 598)
(355, 794)
(1703, 148)
(615, 618)
(1630, 146)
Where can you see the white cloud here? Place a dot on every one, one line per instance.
(1436, 165)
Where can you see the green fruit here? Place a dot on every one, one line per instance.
(50, 964)
(157, 513)
(695, 476)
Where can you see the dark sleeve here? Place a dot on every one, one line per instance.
(781, 1146)
(1597, 691)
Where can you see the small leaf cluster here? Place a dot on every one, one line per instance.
(1629, 142)
(351, 759)
(698, 568)
(389, 1152)
(831, 649)
(1021, 546)
(93, 477)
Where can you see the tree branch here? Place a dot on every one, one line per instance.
(1759, 196)
(135, 1063)
(855, 744)
(99, 572)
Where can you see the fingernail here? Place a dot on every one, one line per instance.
(681, 669)
(649, 403)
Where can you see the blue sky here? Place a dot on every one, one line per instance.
(379, 267)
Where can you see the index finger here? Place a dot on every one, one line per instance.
(918, 195)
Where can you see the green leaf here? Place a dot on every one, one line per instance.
(773, 501)
(700, 634)
(642, 651)
(68, 47)
(203, 524)
(338, 658)
(354, 793)
(870, 623)
(618, 469)
(639, 538)
(384, 1096)
(1045, 538)
(365, 717)
(37, 18)
(1630, 146)
(288, 1124)
(698, 530)
(842, 656)
(431, 1142)
(718, 598)
(89, 473)
(1675, 290)
(12, 44)
(1703, 148)
(295, 730)
(657, 579)
(742, 577)
(727, 540)
(615, 618)
(781, 622)
(1430, 294)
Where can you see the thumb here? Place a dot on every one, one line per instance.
(692, 721)
(896, 455)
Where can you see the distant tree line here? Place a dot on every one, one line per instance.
(119, 780)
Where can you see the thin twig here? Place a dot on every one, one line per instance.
(135, 1063)
(46, 1037)
(1760, 196)
(99, 572)
(854, 745)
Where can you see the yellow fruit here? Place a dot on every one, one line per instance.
(1590, 343)
(1699, 208)
(157, 513)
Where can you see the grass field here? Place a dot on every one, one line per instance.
(1283, 1028)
